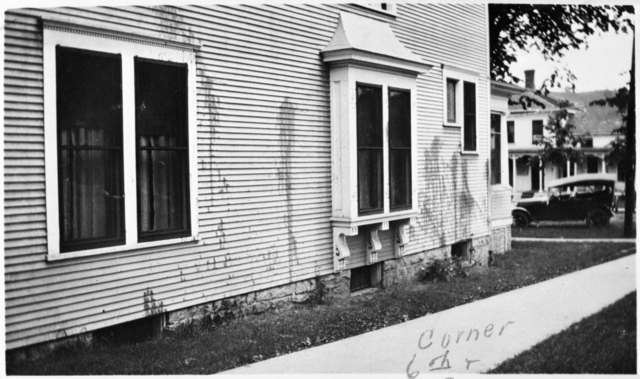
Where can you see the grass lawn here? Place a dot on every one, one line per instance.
(207, 350)
(604, 343)
(573, 229)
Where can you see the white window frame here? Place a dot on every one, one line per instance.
(460, 76)
(129, 47)
(344, 81)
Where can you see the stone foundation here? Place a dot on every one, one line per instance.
(326, 289)
(408, 268)
(323, 289)
(500, 239)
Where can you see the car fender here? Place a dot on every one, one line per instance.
(606, 209)
(524, 210)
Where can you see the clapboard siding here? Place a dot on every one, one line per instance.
(263, 159)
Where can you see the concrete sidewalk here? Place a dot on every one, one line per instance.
(471, 338)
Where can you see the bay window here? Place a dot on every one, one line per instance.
(373, 88)
(121, 173)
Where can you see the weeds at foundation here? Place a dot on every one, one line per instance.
(444, 270)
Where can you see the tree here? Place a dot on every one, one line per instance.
(559, 146)
(552, 28)
(624, 150)
(618, 152)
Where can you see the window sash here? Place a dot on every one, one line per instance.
(162, 150)
(537, 130)
(469, 132)
(400, 149)
(511, 129)
(370, 150)
(451, 100)
(495, 149)
(89, 149)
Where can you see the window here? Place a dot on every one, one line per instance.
(592, 164)
(459, 99)
(370, 166)
(400, 149)
(495, 149)
(451, 101)
(373, 86)
(511, 130)
(537, 128)
(369, 115)
(621, 172)
(121, 175)
(469, 117)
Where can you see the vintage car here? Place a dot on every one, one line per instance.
(588, 197)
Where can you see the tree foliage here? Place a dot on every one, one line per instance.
(559, 146)
(618, 152)
(552, 28)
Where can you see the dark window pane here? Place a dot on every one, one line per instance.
(537, 127)
(510, 132)
(495, 149)
(592, 164)
(400, 177)
(469, 116)
(89, 127)
(400, 149)
(370, 181)
(369, 116)
(163, 154)
(588, 142)
(451, 100)
(399, 118)
(369, 137)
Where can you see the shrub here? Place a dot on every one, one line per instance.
(443, 270)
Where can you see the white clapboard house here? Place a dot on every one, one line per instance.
(158, 159)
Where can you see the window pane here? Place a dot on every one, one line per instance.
(495, 149)
(537, 130)
(369, 181)
(369, 114)
(469, 116)
(399, 118)
(163, 154)
(89, 127)
(400, 149)
(369, 136)
(510, 132)
(400, 177)
(451, 100)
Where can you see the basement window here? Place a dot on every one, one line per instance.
(366, 277)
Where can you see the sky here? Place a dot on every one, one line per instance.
(604, 64)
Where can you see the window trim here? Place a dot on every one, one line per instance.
(85, 38)
(460, 76)
(344, 82)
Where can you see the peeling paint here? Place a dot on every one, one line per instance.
(151, 307)
(286, 121)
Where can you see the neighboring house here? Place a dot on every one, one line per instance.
(501, 190)
(597, 123)
(526, 124)
(160, 159)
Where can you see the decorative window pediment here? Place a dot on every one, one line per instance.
(372, 43)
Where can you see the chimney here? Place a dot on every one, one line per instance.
(529, 79)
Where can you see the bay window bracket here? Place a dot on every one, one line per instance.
(373, 241)
(340, 247)
(401, 229)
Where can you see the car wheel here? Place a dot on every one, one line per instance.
(597, 218)
(520, 219)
